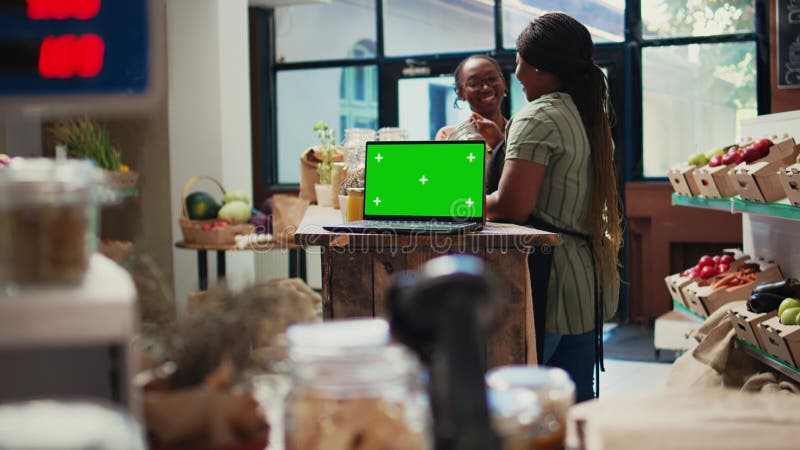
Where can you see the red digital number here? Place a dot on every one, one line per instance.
(69, 56)
(63, 9)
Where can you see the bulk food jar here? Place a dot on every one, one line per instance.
(352, 389)
(48, 220)
(529, 406)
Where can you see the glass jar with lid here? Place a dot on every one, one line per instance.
(48, 220)
(355, 140)
(392, 134)
(529, 406)
(352, 388)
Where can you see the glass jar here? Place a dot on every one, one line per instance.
(355, 204)
(351, 388)
(338, 174)
(529, 406)
(355, 140)
(48, 220)
(392, 134)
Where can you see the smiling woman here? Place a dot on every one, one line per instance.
(480, 82)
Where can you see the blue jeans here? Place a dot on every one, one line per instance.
(575, 354)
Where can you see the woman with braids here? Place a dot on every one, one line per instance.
(480, 82)
(559, 176)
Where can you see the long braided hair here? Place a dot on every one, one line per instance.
(557, 43)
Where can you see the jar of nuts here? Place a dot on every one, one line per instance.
(48, 220)
(352, 389)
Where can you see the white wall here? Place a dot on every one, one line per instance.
(209, 117)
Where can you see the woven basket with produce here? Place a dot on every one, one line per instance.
(205, 221)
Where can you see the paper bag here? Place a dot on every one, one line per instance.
(308, 171)
(287, 212)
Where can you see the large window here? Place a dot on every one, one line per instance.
(683, 72)
(699, 77)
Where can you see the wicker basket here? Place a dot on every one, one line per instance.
(193, 232)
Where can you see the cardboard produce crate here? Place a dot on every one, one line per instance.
(675, 285)
(703, 299)
(683, 181)
(746, 322)
(781, 340)
(714, 182)
(790, 182)
(759, 180)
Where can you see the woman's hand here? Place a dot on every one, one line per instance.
(488, 129)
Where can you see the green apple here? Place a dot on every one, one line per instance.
(789, 316)
(698, 159)
(787, 303)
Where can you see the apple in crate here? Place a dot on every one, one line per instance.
(715, 161)
(751, 154)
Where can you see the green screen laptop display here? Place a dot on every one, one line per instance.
(425, 180)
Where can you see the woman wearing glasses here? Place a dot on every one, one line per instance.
(480, 82)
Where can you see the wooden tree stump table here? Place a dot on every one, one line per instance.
(358, 268)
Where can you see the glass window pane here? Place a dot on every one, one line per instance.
(413, 27)
(605, 19)
(344, 97)
(342, 29)
(427, 104)
(676, 18)
(693, 99)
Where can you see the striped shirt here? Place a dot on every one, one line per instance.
(549, 131)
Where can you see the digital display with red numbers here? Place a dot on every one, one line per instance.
(74, 47)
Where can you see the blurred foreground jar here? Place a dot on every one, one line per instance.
(529, 406)
(352, 389)
(48, 220)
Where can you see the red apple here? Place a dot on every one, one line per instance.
(715, 161)
(751, 154)
(763, 146)
(707, 272)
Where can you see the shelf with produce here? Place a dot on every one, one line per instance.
(719, 204)
(773, 362)
(781, 208)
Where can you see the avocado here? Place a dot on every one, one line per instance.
(201, 206)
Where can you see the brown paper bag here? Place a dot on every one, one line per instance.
(287, 212)
(308, 171)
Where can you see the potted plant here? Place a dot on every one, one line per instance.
(87, 139)
(326, 153)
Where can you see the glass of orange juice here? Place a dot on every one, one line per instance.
(355, 204)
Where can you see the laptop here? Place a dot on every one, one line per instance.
(422, 187)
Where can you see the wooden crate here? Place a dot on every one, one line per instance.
(789, 178)
(745, 323)
(704, 300)
(781, 340)
(683, 181)
(714, 182)
(759, 181)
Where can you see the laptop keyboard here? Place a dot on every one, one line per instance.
(421, 225)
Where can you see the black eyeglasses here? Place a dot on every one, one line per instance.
(478, 83)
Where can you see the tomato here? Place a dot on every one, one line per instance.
(726, 259)
(705, 260)
(716, 259)
(694, 273)
(707, 272)
(722, 268)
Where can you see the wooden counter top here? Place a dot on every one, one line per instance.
(493, 236)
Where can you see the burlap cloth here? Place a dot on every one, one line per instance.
(308, 171)
(717, 397)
